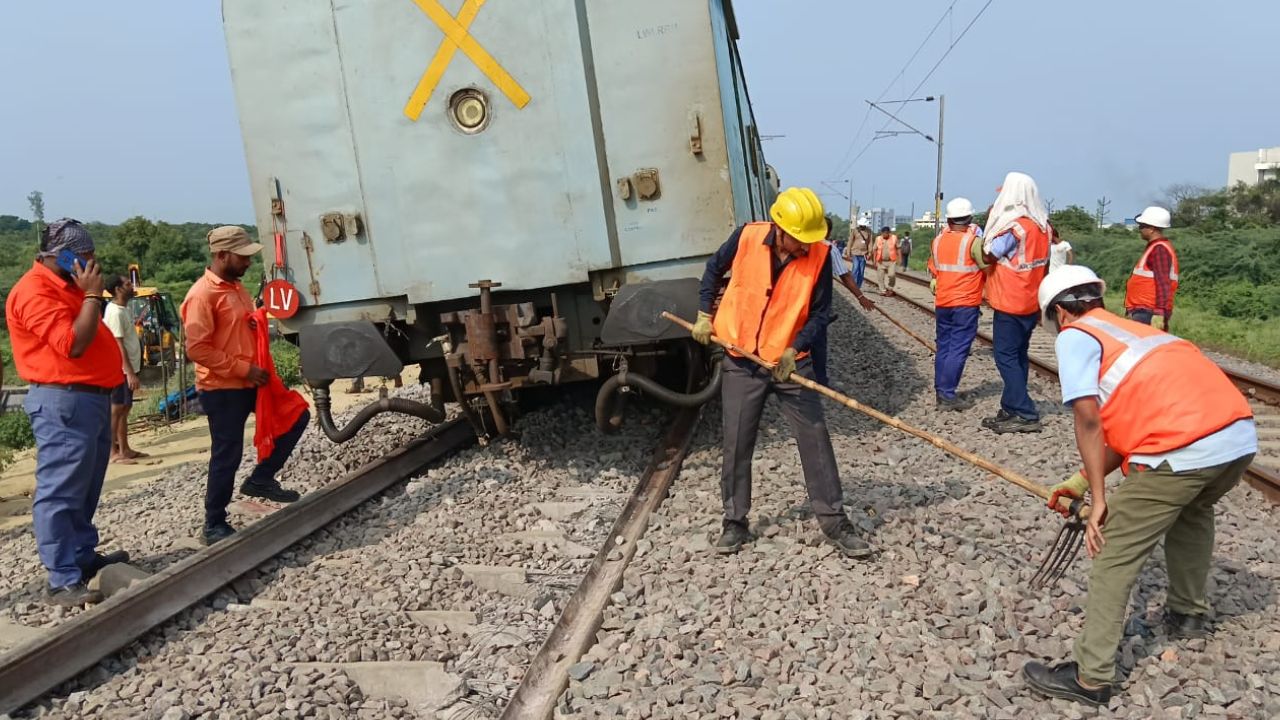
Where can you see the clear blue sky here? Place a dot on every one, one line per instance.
(127, 106)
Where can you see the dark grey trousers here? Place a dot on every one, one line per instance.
(743, 391)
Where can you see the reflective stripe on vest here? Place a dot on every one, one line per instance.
(1159, 393)
(1140, 292)
(959, 281)
(757, 314)
(1013, 283)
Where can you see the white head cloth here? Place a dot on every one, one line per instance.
(1019, 197)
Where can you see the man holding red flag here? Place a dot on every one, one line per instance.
(228, 343)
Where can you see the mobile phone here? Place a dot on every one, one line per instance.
(68, 261)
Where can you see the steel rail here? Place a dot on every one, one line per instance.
(1267, 481)
(574, 633)
(29, 671)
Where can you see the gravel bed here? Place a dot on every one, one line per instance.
(344, 594)
(1248, 367)
(940, 622)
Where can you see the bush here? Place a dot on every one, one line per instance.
(15, 431)
(288, 362)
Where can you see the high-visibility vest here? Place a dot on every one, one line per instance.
(758, 315)
(1015, 280)
(1158, 392)
(960, 279)
(881, 242)
(1141, 290)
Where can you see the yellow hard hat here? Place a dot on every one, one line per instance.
(798, 211)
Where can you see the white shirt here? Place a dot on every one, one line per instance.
(1058, 254)
(119, 320)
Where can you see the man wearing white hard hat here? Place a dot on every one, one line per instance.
(955, 262)
(1154, 280)
(1179, 451)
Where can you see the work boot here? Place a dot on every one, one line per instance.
(1185, 626)
(269, 491)
(733, 537)
(1000, 416)
(99, 561)
(1015, 424)
(956, 404)
(73, 595)
(1063, 681)
(217, 532)
(845, 537)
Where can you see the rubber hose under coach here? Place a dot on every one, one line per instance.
(324, 414)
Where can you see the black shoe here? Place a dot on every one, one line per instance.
(272, 492)
(1181, 625)
(1062, 681)
(1015, 424)
(734, 536)
(846, 540)
(74, 595)
(957, 403)
(1000, 416)
(217, 532)
(99, 561)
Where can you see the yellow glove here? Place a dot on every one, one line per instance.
(1073, 487)
(933, 285)
(786, 365)
(702, 328)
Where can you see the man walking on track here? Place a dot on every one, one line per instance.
(220, 341)
(886, 259)
(904, 249)
(776, 306)
(1154, 280)
(856, 252)
(1180, 450)
(72, 363)
(1016, 243)
(955, 262)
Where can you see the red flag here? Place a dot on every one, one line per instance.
(278, 408)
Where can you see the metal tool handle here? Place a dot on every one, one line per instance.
(1031, 486)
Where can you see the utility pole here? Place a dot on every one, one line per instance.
(1103, 204)
(937, 205)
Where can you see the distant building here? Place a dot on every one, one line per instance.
(876, 218)
(901, 220)
(925, 221)
(1253, 167)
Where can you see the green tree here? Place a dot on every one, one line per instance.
(1073, 219)
(36, 199)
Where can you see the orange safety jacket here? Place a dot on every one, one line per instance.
(1015, 280)
(960, 279)
(892, 242)
(1158, 392)
(757, 315)
(1141, 290)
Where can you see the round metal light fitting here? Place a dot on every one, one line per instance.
(469, 110)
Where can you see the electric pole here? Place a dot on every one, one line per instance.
(1103, 204)
(937, 204)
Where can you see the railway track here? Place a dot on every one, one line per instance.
(1263, 395)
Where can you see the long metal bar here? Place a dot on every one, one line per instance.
(31, 670)
(574, 633)
(937, 197)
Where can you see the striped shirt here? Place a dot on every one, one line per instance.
(838, 268)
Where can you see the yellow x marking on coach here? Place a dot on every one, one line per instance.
(457, 36)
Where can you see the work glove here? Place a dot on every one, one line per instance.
(1073, 487)
(785, 365)
(933, 285)
(702, 328)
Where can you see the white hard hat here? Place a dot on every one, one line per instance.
(958, 208)
(1155, 216)
(1066, 278)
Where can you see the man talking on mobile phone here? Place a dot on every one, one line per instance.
(71, 362)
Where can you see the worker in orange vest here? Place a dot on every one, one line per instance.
(1154, 280)
(885, 256)
(1153, 405)
(776, 306)
(955, 262)
(1016, 243)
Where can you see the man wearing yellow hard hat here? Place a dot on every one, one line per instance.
(777, 306)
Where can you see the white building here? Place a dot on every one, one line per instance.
(1254, 166)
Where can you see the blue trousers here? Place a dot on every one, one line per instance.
(1012, 341)
(859, 269)
(1142, 315)
(227, 412)
(73, 445)
(956, 329)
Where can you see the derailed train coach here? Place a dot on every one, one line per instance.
(504, 193)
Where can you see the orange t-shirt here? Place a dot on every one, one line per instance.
(215, 316)
(41, 313)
